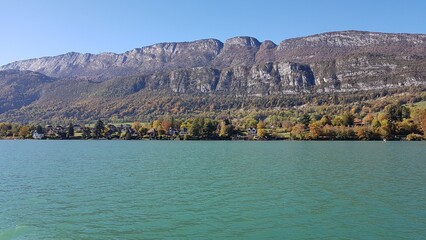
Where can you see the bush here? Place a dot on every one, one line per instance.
(414, 137)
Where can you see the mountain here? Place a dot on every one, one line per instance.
(184, 77)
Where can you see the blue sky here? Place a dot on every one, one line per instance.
(37, 28)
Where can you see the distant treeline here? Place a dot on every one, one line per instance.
(389, 118)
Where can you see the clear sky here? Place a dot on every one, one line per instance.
(37, 28)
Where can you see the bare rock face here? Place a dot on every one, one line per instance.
(369, 71)
(328, 46)
(237, 51)
(242, 66)
(266, 52)
(146, 60)
(245, 51)
(257, 80)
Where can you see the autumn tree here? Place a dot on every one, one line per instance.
(368, 119)
(315, 130)
(261, 132)
(136, 126)
(298, 131)
(156, 124)
(24, 131)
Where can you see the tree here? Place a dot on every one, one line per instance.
(298, 131)
(338, 121)
(86, 133)
(368, 119)
(226, 128)
(196, 128)
(286, 125)
(39, 129)
(156, 124)
(305, 119)
(136, 126)
(423, 123)
(329, 131)
(166, 124)
(24, 131)
(315, 130)
(325, 120)
(70, 131)
(348, 119)
(98, 128)
(261, 132)
(126, 135)
(397, 112)
(209, 127)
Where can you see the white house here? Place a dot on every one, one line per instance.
(37, 135)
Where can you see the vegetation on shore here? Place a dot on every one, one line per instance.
(390, 118)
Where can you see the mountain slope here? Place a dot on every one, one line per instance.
(208, 75)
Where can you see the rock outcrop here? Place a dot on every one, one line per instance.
(73, 83)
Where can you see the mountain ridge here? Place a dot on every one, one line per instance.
(242, 50)
(206, 70)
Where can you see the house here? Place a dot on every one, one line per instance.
(172, 131)
(37, 135)
(252, 131)
(183, 131)
(77, 128)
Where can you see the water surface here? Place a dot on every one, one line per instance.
(212, 190)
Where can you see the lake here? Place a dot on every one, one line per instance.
(212, 190)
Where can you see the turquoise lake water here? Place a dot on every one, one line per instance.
(212, 190)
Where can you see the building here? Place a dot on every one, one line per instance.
(37, 135)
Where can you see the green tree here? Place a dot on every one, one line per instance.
(196, 128)
(86, 133)
(305, 119)
(98, 129)
(209, 128)
(397, 112)
(337, 121)
(39, 129)
(226, 129)
(126, 135)
(348, 119)
(325, 120)
(70, 131)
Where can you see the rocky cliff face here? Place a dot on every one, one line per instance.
(244, 51)
(146, 60)
(239, 67)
